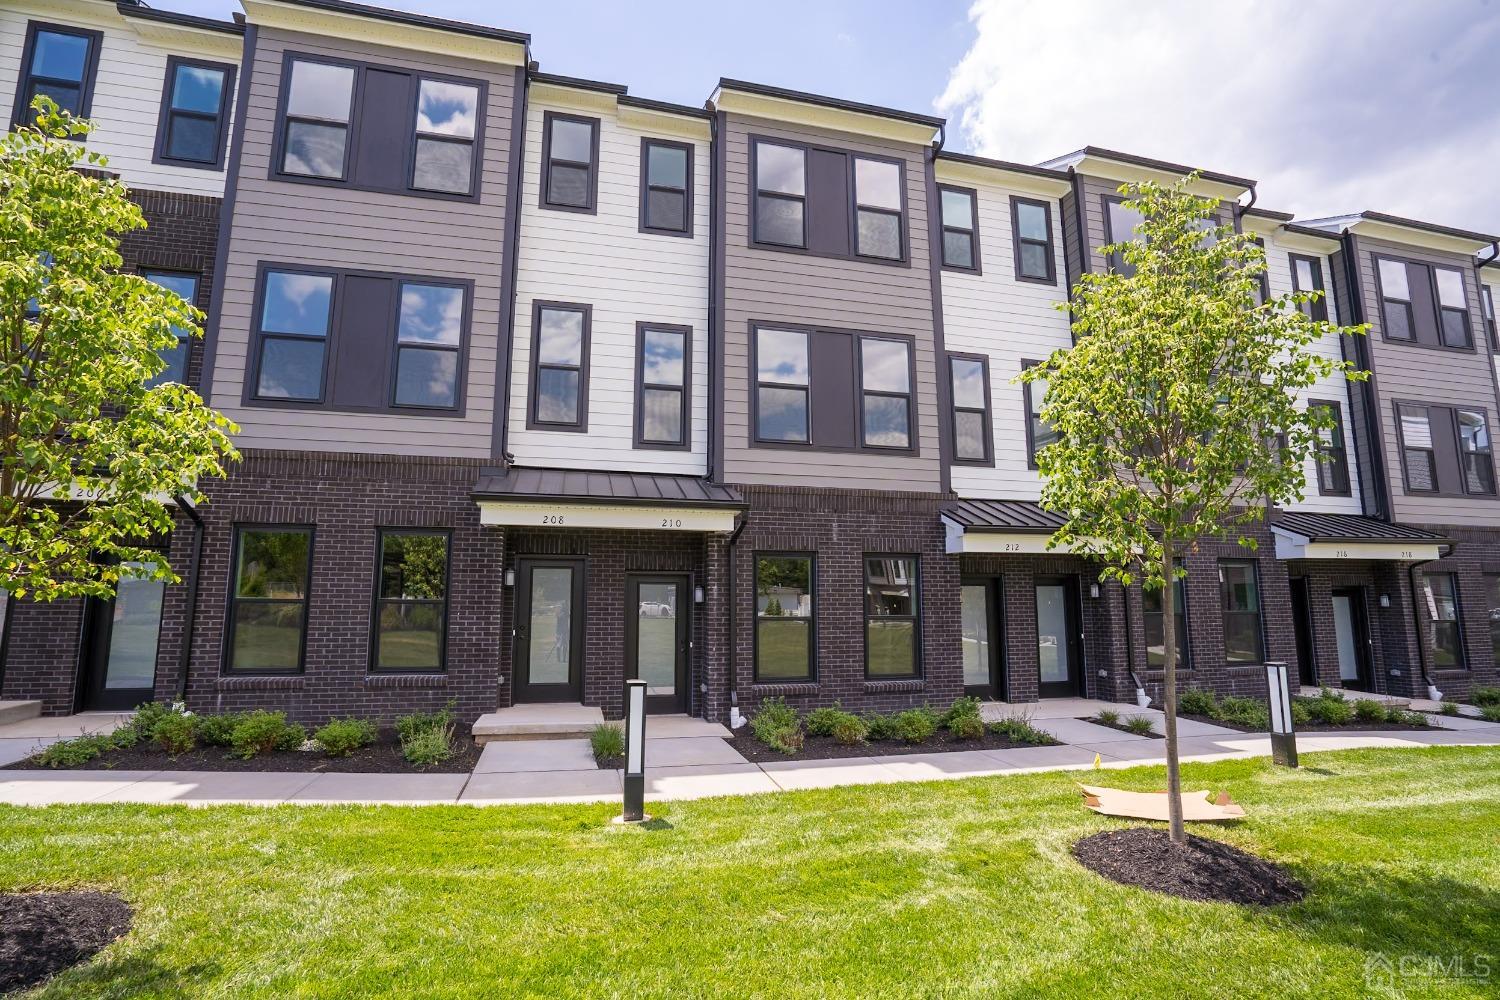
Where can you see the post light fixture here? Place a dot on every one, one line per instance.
(510, 578)
(634, 810)
(1283, 736)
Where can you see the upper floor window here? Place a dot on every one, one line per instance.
(194, 113)
(885, 384)
(1239, 586)
(1447, 626)
(827, 202)
(892, 600)
(662, 385)
(1039, 433)
(1262, 280)
(1445, 450)
(446, 122)
(1121, 225)
(267, 627)
(61, 62)
(780, 195)
(666, 187)
(570, 156)
(785, 624)
(1031, 224)
(1307, 276)
(1453, 307)
(295, 314)
(411, 601)
(319, 107)
(1395, 299)
(1423, 303)
(185, 286)
(877, 208)
(560, 366)
(971, 409)
(1487, 303)
(429, 336)
(1475, 453)
(783, 376)
(1332, 457)
(960, 213)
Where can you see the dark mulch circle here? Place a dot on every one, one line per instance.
(1201, 869)
(43, 933)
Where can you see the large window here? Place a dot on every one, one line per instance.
(1445, 450)
(560, 366)
(782, 382)
(960, 211)
(1453, 307)
(1492, 598)
(785, 632)
(61, 62)
(1307, 276)
(1332, 457)
(1395, 299)
(892, 600)
(1447, 626)
(1418, 456)
(1031, 228)
(570, 157)
(666, 187)
(1039, 433)
(319, 108)
(1121, 225)
(1423, 303)
(780, 195)
(1474, 452)
(1155, 624)
(1487, 303)
(194, 113)
(447, 116)
(1239, 587)
(186, 287)
(878, 218)
(268, 603)
(885, 385)
(972, 436)
(295, 313)
(429, 337)
(663, 365)
(411, 601)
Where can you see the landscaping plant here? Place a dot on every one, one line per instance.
(1490, 713)
(218, 730)
(1108, 717)
(882, 727)
(820, 721)
(850, 730)
(776, 725)
(1140, 725)
(176, 733)
(916, 725)
(1485, 697)
(426, 737)
(341, 737)
(260, 732)
(75, 752)
(1449, 708)
(1369, 710)
(1197, 702)
(1021, 730)
(607, 741)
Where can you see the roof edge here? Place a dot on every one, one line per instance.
(1099, 152)
(415, 20)
(766, 90)
(129, 9)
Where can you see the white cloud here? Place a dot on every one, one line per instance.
(1333, 107)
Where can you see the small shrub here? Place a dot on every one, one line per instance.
(916, 725)
(774, 714)
(416, 723)
(1330, 694)
(75, 752)
(607, 741)
(1490, 713)
(147, 716)
(787, 739)
(1020, 729)
(176, 733)
(963, 707)
(1485, 697)
(1368, 710)
(218, 730)
(1244, 712)
(1108, 717)
(260, 732)
(1140, 725)
(426, 737)
(850, 730)
(124, 738)
(1300, 715)
(1402, 717)
(820, 721)
(1334, 711)
(1196, 702)
(966, 727)
(1449, 708)
(341, 737)
(882, 727)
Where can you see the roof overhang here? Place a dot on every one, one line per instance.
(1394, 229)
(182, 33)
(1291, 544)
(561, 498)
(756, 101)
(632, 516)
(1289, 235)
(614, 99)
(955, 168)
(961, 540)
(375, 26)
(1129, 168)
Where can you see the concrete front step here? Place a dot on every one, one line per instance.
(18, 711)
(537, 722)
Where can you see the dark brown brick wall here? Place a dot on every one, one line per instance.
(181, 234)
(1476, 553)
(41, 653)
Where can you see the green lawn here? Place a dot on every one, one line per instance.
(944, 889)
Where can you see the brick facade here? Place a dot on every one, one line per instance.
(181, 234)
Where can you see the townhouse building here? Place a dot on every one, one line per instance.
(543, 386)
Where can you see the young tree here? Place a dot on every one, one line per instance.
(1176, 409)
(91, 452)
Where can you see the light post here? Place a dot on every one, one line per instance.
(635, 753)
(1283, 736)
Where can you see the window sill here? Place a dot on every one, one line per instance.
(784, 687)
(395, 680)
(894, 685)
(259, 682)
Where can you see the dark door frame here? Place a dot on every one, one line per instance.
(572, 690)
(1073, 622)
(998, 689)
(95, 632)
(662, 704)
(1302, 628)
(1362, 640)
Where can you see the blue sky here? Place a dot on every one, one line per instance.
(1331, 109)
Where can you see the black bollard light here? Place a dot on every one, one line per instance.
(1283, 735)
(634, 810)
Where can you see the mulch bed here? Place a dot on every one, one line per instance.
(382, 756)
(1316, 727)
(1121, 727)
(610, 763)
(43, 933)
(1202, 869)
(828, 748)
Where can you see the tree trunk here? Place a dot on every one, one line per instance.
(1169, 691)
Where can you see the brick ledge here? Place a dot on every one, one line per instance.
(803, 687)
(259, 683)
(406, 680)
(910, 684)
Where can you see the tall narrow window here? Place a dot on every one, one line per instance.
(971, 408)
(661, 380)
(1417, 453)
(1447, 626)
(1121, 226)
(891, 617)
(569, 154)
(785, 634)
(411, 601)
(1039, 433)
(1155, 624)
(1487, 303)
(1332, 457)
(447, 116)
(1475, 453)
(1031, 223)
(666, 185)
(1453, 307)
(560, 375)
(781, 385)
(780, 195)
(1395, 300)
(1307, 276)
(194, 113)
(186, 287)
(293, 335)
(877, 209)
(61, 63)
(429, 335)
(885, 382)
(960, 211)
(1262, 280)
(268, 605)
(1239, 586)
(319, 105)
(1492, 593)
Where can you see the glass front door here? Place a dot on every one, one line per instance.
(981, 638)
(549, 630)
(120, 645)
(657, 639)
(1058, 655)
(1352, 638)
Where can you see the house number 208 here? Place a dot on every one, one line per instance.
(552, 519)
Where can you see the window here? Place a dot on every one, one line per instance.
(319, 106)
(1417, 453)
(1332, 458)
(447, 116)
(268, 605)
(194, 113)
(666, 187)
(560, 368)
(885, 387)
(1239, 587)
(877, 209)
(1031, 227)
(960, 212)
(1395, 299)
(785, 633)
(663, 364)
(1262, 280)
(1447, 629)
(429, 337)
(891, 602)
(781, 389)
(61, 62)
(411, 601)
(972, 435)
(295, 312)
(1474, 452)
(1155, 623)
(1492, 595)
(569, 155)
(1487, 303)
(186, 287)
(1423, 304)
(1038, 433)
(780, 195)
(1121, 223)
(1453, 307)
(1307, 276)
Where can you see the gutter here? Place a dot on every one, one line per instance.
(1240, 210)
(735, 718)
(714, 236)
(1367, 387)
(512, 242)
(184, 659)
(1416, 613)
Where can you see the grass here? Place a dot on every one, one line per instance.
(960, 888)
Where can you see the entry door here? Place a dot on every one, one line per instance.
(119, 646)
(549, 630)
(656, 639)
(1302, 627)
(1351, 633)
(980, 623)
(1059, 653)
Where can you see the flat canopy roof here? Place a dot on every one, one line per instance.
(585, 486)
(1014, 516)
(1309, 535)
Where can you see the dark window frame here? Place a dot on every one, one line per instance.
(1460, 639)
(1318, 310)
(1487, 312)
(756, 384)
(973, 233)
(1184, 646)
(1488, 452)
(258, 337)
(918, 660)
(756, 194)
(1263, 279)
(377, 601)
(1016, 240)
(812, 619)
(645, 189)
(1259, 612)
(592, 208)
(1329, 488)
(1114, 261)
(145, 271)
(1028, 415)
(1409, 304)
(533, 422)
(1401, 444)
(221, 120)
(988, 416)
(284, 119)
(226, 666)
(860, 392)
(461, 367)
(476, 163)
(21, 103)
(686, 389)
(1436, 426)
(902, 215)
(1442, 310)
